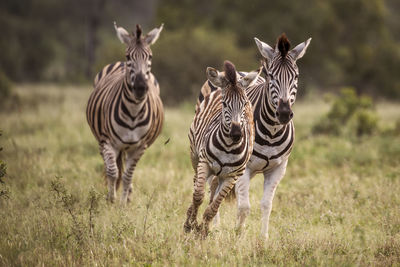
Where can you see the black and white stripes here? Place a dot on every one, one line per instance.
(271, 99)
(221, 140)
(125, 111)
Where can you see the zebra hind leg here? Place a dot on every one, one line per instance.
(213, 181)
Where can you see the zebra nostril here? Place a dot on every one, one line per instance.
(291, 115)
(236, 132)
(277, 114)
(236, 136)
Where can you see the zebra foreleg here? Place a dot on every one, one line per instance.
(198, 196)
(111, 168)
(271, 181)
(132, 158)
(243, 202)
(225, 187)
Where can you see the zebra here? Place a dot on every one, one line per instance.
(125, 112)
(272, 100)
(221, 141)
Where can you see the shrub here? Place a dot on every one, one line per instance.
(364, 122)
(349, 114)
(81, 225)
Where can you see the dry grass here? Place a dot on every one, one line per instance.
(338, 204)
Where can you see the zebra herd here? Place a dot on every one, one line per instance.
(242, 125)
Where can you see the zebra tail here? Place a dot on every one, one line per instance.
(120, 165)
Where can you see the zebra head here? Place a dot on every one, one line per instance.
(234, 99)
(282, 75)
(138, 55)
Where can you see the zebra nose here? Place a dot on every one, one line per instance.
(284, 113)
(236, 132)
(290, 114)
(140, 86)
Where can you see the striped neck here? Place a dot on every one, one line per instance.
(223, 134)
(132, 105)
(267, 111)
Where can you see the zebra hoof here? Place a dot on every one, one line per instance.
(238, 231)
(202, 231)
(110, 199)
(188, 227)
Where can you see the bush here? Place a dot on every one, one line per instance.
(349, 114)
(364, 122)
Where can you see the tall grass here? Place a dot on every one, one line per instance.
(337, 205)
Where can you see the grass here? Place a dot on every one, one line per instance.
(339, 203)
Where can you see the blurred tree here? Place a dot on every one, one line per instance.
(58, 40)
(355, 42)
(182, 56)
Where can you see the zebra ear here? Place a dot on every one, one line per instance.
(153, 35)
(299, 51)
(122, 34)
(265, 50)
(216, 78)
(249, 79)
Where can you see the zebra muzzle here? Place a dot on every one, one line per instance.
(284, 112)
(236, 132)
(140, 86)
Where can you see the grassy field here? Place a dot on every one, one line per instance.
(339, 203)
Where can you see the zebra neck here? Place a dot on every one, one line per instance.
(132, 105)
(223, 134)
(267, 111)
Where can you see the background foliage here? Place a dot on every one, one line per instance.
(355, 43)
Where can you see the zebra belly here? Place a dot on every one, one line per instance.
(131, 138)
(223, 168)
(257, 164)
(228, 171)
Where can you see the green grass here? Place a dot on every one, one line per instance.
(339, 203)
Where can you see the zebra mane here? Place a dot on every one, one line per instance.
(138, 33)
(230, 72)
(283, 45)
